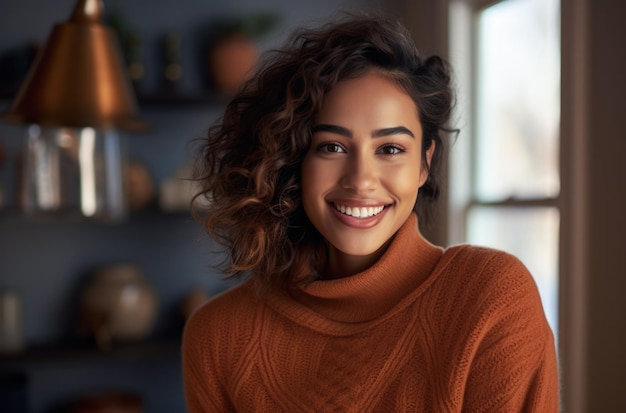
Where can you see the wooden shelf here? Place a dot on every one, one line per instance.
(13, 213)
(59, 353)
(157, 98)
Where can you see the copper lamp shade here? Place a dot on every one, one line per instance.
(78, 79)
(75, 99)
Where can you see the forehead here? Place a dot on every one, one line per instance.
(371, 98)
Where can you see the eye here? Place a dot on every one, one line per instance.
(390, 150)
(331, 148)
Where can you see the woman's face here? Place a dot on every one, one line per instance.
(361, 175)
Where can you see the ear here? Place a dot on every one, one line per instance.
(426, 165)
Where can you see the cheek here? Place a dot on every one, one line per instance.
(405, 178)
(408, 188)
(310, 182)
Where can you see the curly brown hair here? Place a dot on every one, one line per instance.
(249, 166)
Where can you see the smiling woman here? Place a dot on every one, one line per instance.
(317, 176)
(365, 154)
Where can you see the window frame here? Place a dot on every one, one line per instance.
(573, 171)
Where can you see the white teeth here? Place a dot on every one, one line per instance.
(356, 212)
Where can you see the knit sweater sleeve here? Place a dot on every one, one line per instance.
(511, 356)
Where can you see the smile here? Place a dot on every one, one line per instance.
(359, 212)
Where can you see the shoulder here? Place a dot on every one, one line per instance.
(485, 265)
(466, 255)
(489, 278)
(222, 316)
(493, 295)
(508, 356)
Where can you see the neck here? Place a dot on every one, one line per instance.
(341, 265)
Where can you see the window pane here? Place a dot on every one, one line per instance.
(518, 95)
(531, 234)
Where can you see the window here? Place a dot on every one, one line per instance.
(505, 182)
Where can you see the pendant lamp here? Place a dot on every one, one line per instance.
(75, 100)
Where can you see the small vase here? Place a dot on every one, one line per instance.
(232, 60)
(119, 305)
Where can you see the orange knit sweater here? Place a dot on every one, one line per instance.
(423, 330)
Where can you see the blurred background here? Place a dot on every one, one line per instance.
(92, 306)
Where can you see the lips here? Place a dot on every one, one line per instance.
(359, 212)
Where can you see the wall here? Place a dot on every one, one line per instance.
(593, 310)
(47, 262)
(606, 202)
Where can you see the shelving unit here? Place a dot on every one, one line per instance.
(164, 244)
(47, 261)
(49, 258)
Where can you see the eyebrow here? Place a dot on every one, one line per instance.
(378, 133)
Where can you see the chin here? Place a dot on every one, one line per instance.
(359, 251)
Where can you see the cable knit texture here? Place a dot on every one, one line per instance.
(423, 330)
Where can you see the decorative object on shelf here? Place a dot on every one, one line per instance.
(172, 60)
(232, 61)
(118, 305)
(75, 98)
(11, 322)
(135, 65)
(195, 298)
(132, 47)
(107, 402)
(177, 192)
(233, 52)
(73, 172)
(140, 188)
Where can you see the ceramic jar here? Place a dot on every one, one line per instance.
(118, 304)
(232, 59)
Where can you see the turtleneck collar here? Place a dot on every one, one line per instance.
(367, 295)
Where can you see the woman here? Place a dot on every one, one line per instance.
(317, 175)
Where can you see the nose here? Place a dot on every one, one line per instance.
(359, 175)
